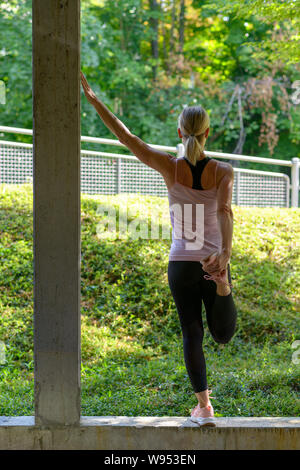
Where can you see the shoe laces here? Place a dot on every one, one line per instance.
(209, 397)
(216, 277)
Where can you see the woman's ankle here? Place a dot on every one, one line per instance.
(223, 290)
(204, 404)
(203, 398)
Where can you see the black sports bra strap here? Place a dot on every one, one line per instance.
(197, 171)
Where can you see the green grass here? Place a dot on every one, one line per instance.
(132, 355)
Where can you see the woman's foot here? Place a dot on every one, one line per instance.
(221, 278)
(204, 416)
(223, 284)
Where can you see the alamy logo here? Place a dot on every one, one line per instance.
(186, 227)
(296, 354)
(2, 92)
(295, 97)
(132, 221)
(2, 353)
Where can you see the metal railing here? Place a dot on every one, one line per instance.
(112, 173)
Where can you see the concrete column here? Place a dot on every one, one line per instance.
(56, 171)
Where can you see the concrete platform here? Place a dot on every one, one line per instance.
(151, 433)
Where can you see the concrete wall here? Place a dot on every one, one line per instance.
(152, 433)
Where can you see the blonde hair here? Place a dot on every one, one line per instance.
(193, 120)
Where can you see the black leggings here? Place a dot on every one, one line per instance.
(189, 288)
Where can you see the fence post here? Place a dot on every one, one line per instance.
(118, 176)
(295, 182)
(180, 150)
(237, 179)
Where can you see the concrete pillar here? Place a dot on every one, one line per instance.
(56, 171)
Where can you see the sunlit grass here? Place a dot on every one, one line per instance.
(132, 354)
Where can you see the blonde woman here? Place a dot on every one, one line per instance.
(199, 272)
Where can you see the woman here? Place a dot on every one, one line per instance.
(203, 182)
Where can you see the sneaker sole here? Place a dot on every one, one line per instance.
(203, 421)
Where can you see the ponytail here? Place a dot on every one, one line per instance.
(193, 122)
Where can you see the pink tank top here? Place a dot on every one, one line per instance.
(193, 214)
(196, 232)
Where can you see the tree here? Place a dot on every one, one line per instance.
(283, 15)
(153, 5)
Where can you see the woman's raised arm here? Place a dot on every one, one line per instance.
(156, 159)
(110, 120)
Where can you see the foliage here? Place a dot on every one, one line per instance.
(132, 353)
(204, 60)
(284, 15)
(16, 63)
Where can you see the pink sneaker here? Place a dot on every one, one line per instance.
(220, 277)
(203, 416)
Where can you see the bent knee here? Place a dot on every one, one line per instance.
(223, 337)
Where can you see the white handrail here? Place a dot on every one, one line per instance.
(100, 140)
(294, 164)
(130, 157)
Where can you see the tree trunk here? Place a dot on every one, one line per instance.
(154, 41)
(181, 38)
(164, 35)
(181, 26)
(122, 30)
(172, 35)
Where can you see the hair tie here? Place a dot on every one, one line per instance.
(192, 135)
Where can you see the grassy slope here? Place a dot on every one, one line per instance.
(132, 357)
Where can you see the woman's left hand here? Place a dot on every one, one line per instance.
(87, 89)
(216, 262)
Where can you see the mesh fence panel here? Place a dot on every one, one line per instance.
(108, 175)
(139, 178)
(260, 190)
(15, 164)
(98, 175)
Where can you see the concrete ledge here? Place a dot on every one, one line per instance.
(151, 433)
